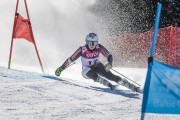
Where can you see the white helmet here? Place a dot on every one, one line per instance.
(92, 39)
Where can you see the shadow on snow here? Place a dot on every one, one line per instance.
(125, 93)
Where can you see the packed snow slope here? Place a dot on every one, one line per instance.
(35, 96)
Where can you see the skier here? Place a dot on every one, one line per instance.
(92, 68)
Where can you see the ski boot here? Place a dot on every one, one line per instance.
(128, 85)
(105, 82)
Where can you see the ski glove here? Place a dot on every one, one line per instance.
(108, 66)
(58, 71)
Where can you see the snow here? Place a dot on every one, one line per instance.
(35, 96)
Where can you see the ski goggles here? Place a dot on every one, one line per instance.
(91, 43)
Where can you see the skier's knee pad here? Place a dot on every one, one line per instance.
(85, 70)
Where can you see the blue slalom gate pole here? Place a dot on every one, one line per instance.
(158, 13)
(150, 60)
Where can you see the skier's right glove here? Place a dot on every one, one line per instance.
(58, 71)
(108, 66)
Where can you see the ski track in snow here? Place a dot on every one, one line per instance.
(33, 96)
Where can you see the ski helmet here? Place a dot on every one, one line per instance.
(92, 39)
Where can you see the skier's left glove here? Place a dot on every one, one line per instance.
(58, 71)
(108, 66)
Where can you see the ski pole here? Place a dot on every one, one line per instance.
(125, 76)
(71, 64)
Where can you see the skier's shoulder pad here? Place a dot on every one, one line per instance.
(83, 48)
(98, 45)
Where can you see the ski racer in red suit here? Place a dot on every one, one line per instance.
(92, 68)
